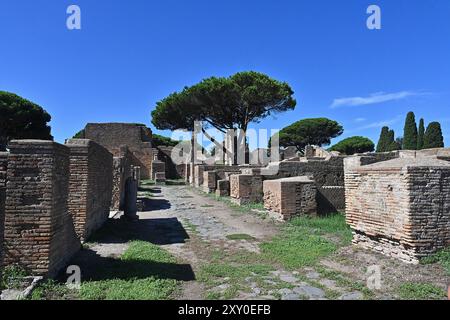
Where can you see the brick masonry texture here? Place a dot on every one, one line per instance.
(121, 172)
(289, 197)
(39, 230)
(136, 137)
(90, 185)
(399, 207)
(246, 188)
(3, 168)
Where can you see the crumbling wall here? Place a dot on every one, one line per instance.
(289, 197)
(121, 172)
(136, 137)
(3, 168)
(399, 207)
(39, 230)
(246, 188)
(90, 185)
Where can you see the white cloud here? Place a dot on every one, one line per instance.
(378, 124)
(360, 119)
(374, 98)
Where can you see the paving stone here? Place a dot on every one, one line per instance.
(352, 296)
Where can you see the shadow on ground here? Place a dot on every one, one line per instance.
(95, 268)
(160, 231)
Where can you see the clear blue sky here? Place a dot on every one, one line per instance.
(130, 54)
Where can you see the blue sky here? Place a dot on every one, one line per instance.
(130, 54)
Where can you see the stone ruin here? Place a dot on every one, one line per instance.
(52, 198)
(114, 136)
(247, 183)
(400, 207)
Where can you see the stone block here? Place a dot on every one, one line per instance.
(289, 197)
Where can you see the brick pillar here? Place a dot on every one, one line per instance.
(39, 231)
(90, 185)
(3, 168)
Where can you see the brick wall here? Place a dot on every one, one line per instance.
(157, 167)
(246, 188)
(3, 168)
(121, 172)
(114, 135)
(289, 197)
(39, 231)
(399, 207)
(90, 185)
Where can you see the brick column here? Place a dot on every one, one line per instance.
(39, 231)
(3, 168)
(90, 190)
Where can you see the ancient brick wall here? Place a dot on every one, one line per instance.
(246, 188)
(135, 136)
(39, 231)
(3, 168)
(289, 197)
(173, 170)
(157, 167)
(90, 185)
(121, 172)
(399, 207)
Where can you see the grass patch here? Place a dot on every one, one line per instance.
(148, 182)
(143, 274)
(420, 291)
(207, 206)
(12, 277)
(303, 241)
(240, 236)
(442, 257)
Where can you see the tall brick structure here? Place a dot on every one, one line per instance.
(137, 137)
(39, 230)
(3, 168)
(90, 185)
(399, 207)
(121, 172)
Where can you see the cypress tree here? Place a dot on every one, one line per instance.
(384, 140)
(433, 136)
(421, 135)
(410, 134)
(392, 144)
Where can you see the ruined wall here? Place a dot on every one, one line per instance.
(399, 207)
(173, 170)
(3, 168)
(90, 185)
(135, 136)
(39, 230)
(121, 172)
(246, 188)
(289, 197)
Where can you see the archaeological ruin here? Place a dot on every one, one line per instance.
(400, 207)
(53, 197)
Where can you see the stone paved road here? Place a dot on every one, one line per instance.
(177, 215)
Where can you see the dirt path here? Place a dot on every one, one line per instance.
(221, 248)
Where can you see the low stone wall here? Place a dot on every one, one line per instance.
(289, 197)
(3, 169)
(223, 188)
(399, 207)
(90, 185)
(246, 188)
(39, 230)
(209, 181)
(121, 172)
(157, 167)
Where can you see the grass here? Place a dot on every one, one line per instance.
(442, 257)
(240, 236)
(144, 272)
(420, 291)
(136, 281)
(303, 241)
(11, 277)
